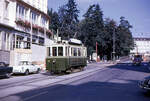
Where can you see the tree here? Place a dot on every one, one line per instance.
(69, 19)
(54, 22)
(125, 39)
(92, 27)
(109, 29)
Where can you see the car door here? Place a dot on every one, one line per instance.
(33, 68)
(2, 69)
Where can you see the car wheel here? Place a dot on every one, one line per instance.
(27, 72)
(8, 75)
(38, 70)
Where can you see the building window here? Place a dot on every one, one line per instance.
(34, 39)
(34, 16)
(6, 9)
(43, 21)
(20, 11)
(8, 42)
(41, 41)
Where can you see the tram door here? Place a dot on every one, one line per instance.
(54, 53)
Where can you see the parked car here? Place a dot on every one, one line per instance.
(145, 84)
(5, 71)
(26, 67)
(137, 59)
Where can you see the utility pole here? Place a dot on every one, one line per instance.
(96, 53)
(114, 38)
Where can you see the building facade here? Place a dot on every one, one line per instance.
(142, 46)
(24, 31)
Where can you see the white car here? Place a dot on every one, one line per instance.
(26, 67)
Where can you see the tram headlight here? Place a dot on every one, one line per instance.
(54, 61)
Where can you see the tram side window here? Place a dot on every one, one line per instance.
(71, 51)
(79, 52)
(82, 52)
(60, 51)
(54, 51)
(75, 52)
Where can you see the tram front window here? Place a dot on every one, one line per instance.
(60, 51)
(79, 52)
(54, 51)
(66, 51)
(75, 52)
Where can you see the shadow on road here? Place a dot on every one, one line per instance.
(129, 66)
(91, 91)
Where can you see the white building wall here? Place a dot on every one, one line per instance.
(7, 17)
(12, 13)
(39, 4)
(38, 53)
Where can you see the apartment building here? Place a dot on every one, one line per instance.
(142, 45)
(24, 31)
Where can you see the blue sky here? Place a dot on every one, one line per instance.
(136, 11)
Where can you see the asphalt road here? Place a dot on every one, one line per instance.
(113, 83)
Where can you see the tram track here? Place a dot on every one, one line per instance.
(76, 78)
(24, 82)
(4, 86)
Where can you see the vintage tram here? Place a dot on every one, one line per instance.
(65, 56)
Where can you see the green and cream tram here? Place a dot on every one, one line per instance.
(66, 55)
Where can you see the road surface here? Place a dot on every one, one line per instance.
(96, 83)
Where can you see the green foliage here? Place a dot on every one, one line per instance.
(95, 29)
(92, 27)
(69, 19)
(125, 37)
(54, 22)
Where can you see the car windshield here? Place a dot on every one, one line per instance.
(23, 63)
(1, 64)
(137, 56)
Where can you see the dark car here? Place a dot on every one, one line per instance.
(137, 59)
(145, 84)
(5, 71)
